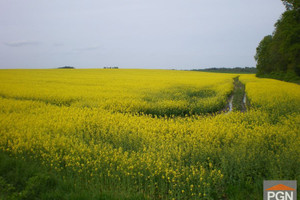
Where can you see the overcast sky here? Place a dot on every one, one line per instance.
(180, 34)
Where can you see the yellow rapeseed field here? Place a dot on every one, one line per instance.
(157, 132)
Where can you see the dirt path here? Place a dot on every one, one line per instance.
(238, 100)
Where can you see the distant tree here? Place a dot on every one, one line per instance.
(280, 52)
(286, 42)
(263, 55)
(66, 67)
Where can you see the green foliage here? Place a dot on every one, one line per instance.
(288, 76)
(26, 179)
(263, 55)
(22, 180)
(280, 52)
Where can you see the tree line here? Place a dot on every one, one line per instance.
(279, 53)
(238, 70)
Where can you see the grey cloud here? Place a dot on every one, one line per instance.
(21, 43)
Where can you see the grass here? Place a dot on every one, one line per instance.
(254, 191)
(239, 91)
(27, 179)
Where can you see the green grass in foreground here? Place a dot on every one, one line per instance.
(24, 179)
